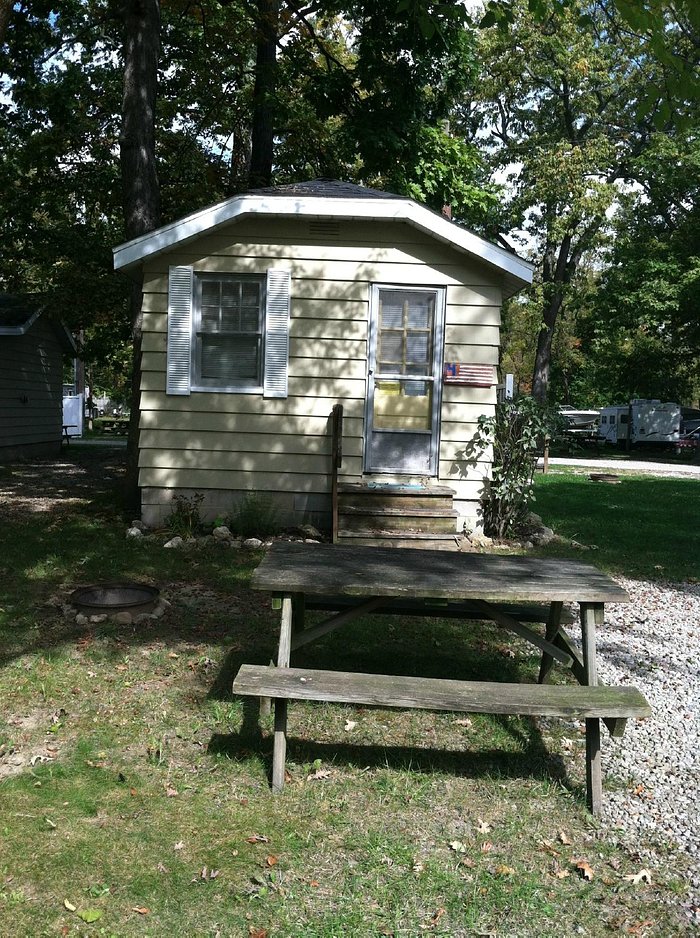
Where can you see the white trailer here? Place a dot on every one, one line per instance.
(642, 421)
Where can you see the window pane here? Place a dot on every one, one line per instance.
(250, 294)
(250, 319)
(210, 292)
(420, 311)
(210, 318)
(391, 305)
(417, 347)
(229, 319)
(225, 361)
(391, 349)
(402, 405)
(230, 293)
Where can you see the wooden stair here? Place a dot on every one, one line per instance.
(388, 515)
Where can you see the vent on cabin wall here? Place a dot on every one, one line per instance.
(324, 228)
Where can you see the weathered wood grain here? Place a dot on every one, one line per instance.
(388, 690)
(331, 569)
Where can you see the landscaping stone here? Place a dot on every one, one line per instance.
(222, 533)
(174, 542)
(134, 532)
(252, 543)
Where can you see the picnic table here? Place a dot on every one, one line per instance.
(520, 594)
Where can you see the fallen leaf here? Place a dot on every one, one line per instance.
(319, 775)
(314, 883)
(436, 918)
(65, 930)
(482, 826)
(546, 847)
(505, 871)
(171, 792)
(214, 874)
(141, 909)
(458, 846)
(643, 876)
(637, 928)
(487, 846)
(257, 839)
(465, 721)
(350, 725)
(173, 655)
(584, 869)
(90, 915)
(272, 860)
(561, 874)
(255, 932)
(133, 792)
(69, 905)
(564, 838)
(179, 845)
(162, 869)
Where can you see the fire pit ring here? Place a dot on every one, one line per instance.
(115, 597)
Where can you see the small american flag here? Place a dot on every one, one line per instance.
(475, 376)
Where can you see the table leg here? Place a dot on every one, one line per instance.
(592, 615)
(551, 631)
(279, 749)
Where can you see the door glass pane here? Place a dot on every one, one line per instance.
(402, 405)
(420, 311)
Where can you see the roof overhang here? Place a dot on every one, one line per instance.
(64, 336)
(516, 272)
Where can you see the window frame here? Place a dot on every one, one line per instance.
(238, 387)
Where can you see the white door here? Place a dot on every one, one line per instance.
(404, 380)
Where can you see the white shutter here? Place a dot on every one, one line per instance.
(276, 333)
(179, 363)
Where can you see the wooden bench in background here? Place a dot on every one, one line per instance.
(614, 704)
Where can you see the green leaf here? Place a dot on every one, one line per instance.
(90, 915)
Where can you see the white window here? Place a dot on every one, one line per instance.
(228, 332)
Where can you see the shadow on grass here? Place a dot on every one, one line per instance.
(532, 761)
(466, 651)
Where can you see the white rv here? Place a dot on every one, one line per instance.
(642, 421)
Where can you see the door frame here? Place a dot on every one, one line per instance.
(440, 293)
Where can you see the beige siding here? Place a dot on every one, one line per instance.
(226, 444)
(31, 384)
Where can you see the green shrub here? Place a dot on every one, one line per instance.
(256, 516)
(185, 519)
(517, 433)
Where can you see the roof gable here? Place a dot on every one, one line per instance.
(327, 199)
(18, 315)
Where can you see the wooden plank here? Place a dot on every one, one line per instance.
(331, 569)
(330, 625)
(512, 625)
(421, 693)
(446, 609)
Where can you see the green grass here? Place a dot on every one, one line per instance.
(643, 526)
(139, 788)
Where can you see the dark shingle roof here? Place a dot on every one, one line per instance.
(15, 311)
(326, 188)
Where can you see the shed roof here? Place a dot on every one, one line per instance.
(327, 199)
(19, 313)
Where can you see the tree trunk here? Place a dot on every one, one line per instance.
(556, 272)
(263, 130)
(140, 188)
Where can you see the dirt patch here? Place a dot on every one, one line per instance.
(59, 485)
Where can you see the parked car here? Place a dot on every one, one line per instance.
(689, 441)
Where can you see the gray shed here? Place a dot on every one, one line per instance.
(32, 349)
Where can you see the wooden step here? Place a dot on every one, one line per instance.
(363, 496)
(421, 540)
(423, 693)
(423, 520)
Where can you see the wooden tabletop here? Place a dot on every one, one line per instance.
(333, 570)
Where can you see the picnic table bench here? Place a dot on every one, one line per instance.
(510, 591)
